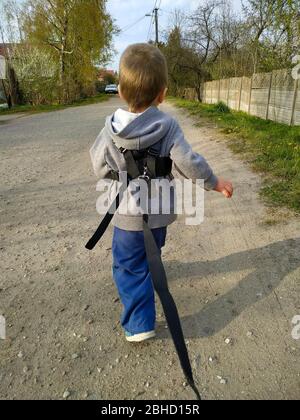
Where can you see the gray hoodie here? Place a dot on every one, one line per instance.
(150, 128)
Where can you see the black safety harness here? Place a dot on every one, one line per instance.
(147, 165)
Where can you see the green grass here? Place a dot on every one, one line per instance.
(55, 107)
(272, 149)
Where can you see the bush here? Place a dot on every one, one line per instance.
(36, 74)
(223, 108)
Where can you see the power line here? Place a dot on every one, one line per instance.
(154, 19)
(167, 12)
(126, 28)
(150, 28)
(151, 22)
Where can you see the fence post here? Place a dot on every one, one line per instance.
(219, 91)
(269, 96)
(294, 101)
(241, 89)
(250, 94)
(228, 92)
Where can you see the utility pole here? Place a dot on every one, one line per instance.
(156, 26)
(155, 13)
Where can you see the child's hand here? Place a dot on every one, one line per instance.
(224, 187)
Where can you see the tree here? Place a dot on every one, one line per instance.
(172, 50)
(213, 43)
(203, 45)
(78, 36)
(10, 33)
(273, 27)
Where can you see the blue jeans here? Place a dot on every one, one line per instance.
(133, 279)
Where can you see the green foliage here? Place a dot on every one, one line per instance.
(76, 35)
(110, 79)
(214, 43)
(183, 63)
(37, 75)
(54, 107)
(221, 108)
(273, 149)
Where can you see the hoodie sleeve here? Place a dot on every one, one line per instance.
(98, 156)
(189, 163)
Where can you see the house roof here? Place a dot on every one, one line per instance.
(106, 71)
(4, 48)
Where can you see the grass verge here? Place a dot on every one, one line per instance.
(55, 107)
(272, 149)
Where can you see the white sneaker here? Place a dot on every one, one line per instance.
(138, 338)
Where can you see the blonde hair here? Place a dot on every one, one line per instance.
(143, 75)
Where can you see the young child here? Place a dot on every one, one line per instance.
(143, 86)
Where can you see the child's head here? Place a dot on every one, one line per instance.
(143, 76)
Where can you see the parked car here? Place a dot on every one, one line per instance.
(111, 89)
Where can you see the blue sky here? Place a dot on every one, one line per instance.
(127, 12)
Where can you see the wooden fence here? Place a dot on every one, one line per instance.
(273, 96)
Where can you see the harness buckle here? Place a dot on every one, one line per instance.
(153, 152)
(146, 177)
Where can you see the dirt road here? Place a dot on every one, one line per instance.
(235, 279)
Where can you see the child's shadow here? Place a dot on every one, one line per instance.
(269, 265)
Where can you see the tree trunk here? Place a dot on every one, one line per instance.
(62, 57)
(198, 87)
(12, 91)
(62, 81)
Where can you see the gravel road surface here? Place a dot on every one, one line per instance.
(235, 278)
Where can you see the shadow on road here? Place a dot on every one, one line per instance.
(269, 264)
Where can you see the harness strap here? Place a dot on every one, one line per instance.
(163, 169)
(104, 224)
(160, 284)
(151, 160)
(132, 168)
(133, 172)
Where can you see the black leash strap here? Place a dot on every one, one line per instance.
(133, 172)
(160, 284)
(104, 224)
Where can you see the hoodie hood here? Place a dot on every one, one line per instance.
(143, 132)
